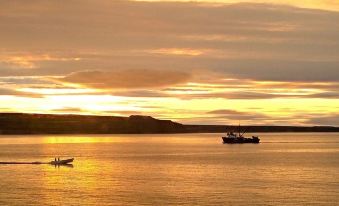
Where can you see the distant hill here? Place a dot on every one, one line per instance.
(17, 123)
(20, 123)
(244, 128)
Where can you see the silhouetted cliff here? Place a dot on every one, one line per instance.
(18, 123)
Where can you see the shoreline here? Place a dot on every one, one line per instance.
(265, 132)
(34, 124)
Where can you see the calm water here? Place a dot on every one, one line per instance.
(189, 169)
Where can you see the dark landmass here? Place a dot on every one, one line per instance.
(222, 129)
(20, 123)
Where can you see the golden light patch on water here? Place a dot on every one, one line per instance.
(166, 169)
(95, 138)
(61, 139)
(72, 178)
(78, 139)
(311, 150)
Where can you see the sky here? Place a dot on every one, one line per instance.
(260, 62)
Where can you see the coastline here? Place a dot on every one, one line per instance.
(26, 124)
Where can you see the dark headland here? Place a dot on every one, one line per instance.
(21, 123)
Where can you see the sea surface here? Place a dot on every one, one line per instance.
(180, 169)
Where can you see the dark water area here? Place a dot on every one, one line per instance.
(183, 169)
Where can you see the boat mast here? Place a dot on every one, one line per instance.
(239, 129)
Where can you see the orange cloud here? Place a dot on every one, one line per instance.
(126, 79)
(12, 92)
(177, 51)
(31, 61)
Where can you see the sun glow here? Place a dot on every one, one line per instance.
(50, 91)
(177, 51)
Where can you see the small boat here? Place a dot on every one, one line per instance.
(233, 138)
(62, 162)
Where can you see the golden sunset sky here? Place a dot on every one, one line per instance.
(195, 62)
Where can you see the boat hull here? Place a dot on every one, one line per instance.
(62, 162)
(228, 140)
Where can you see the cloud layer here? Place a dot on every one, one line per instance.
(171, 59)
(257, 41)
(127, 79)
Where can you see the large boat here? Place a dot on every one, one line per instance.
(233, 138)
